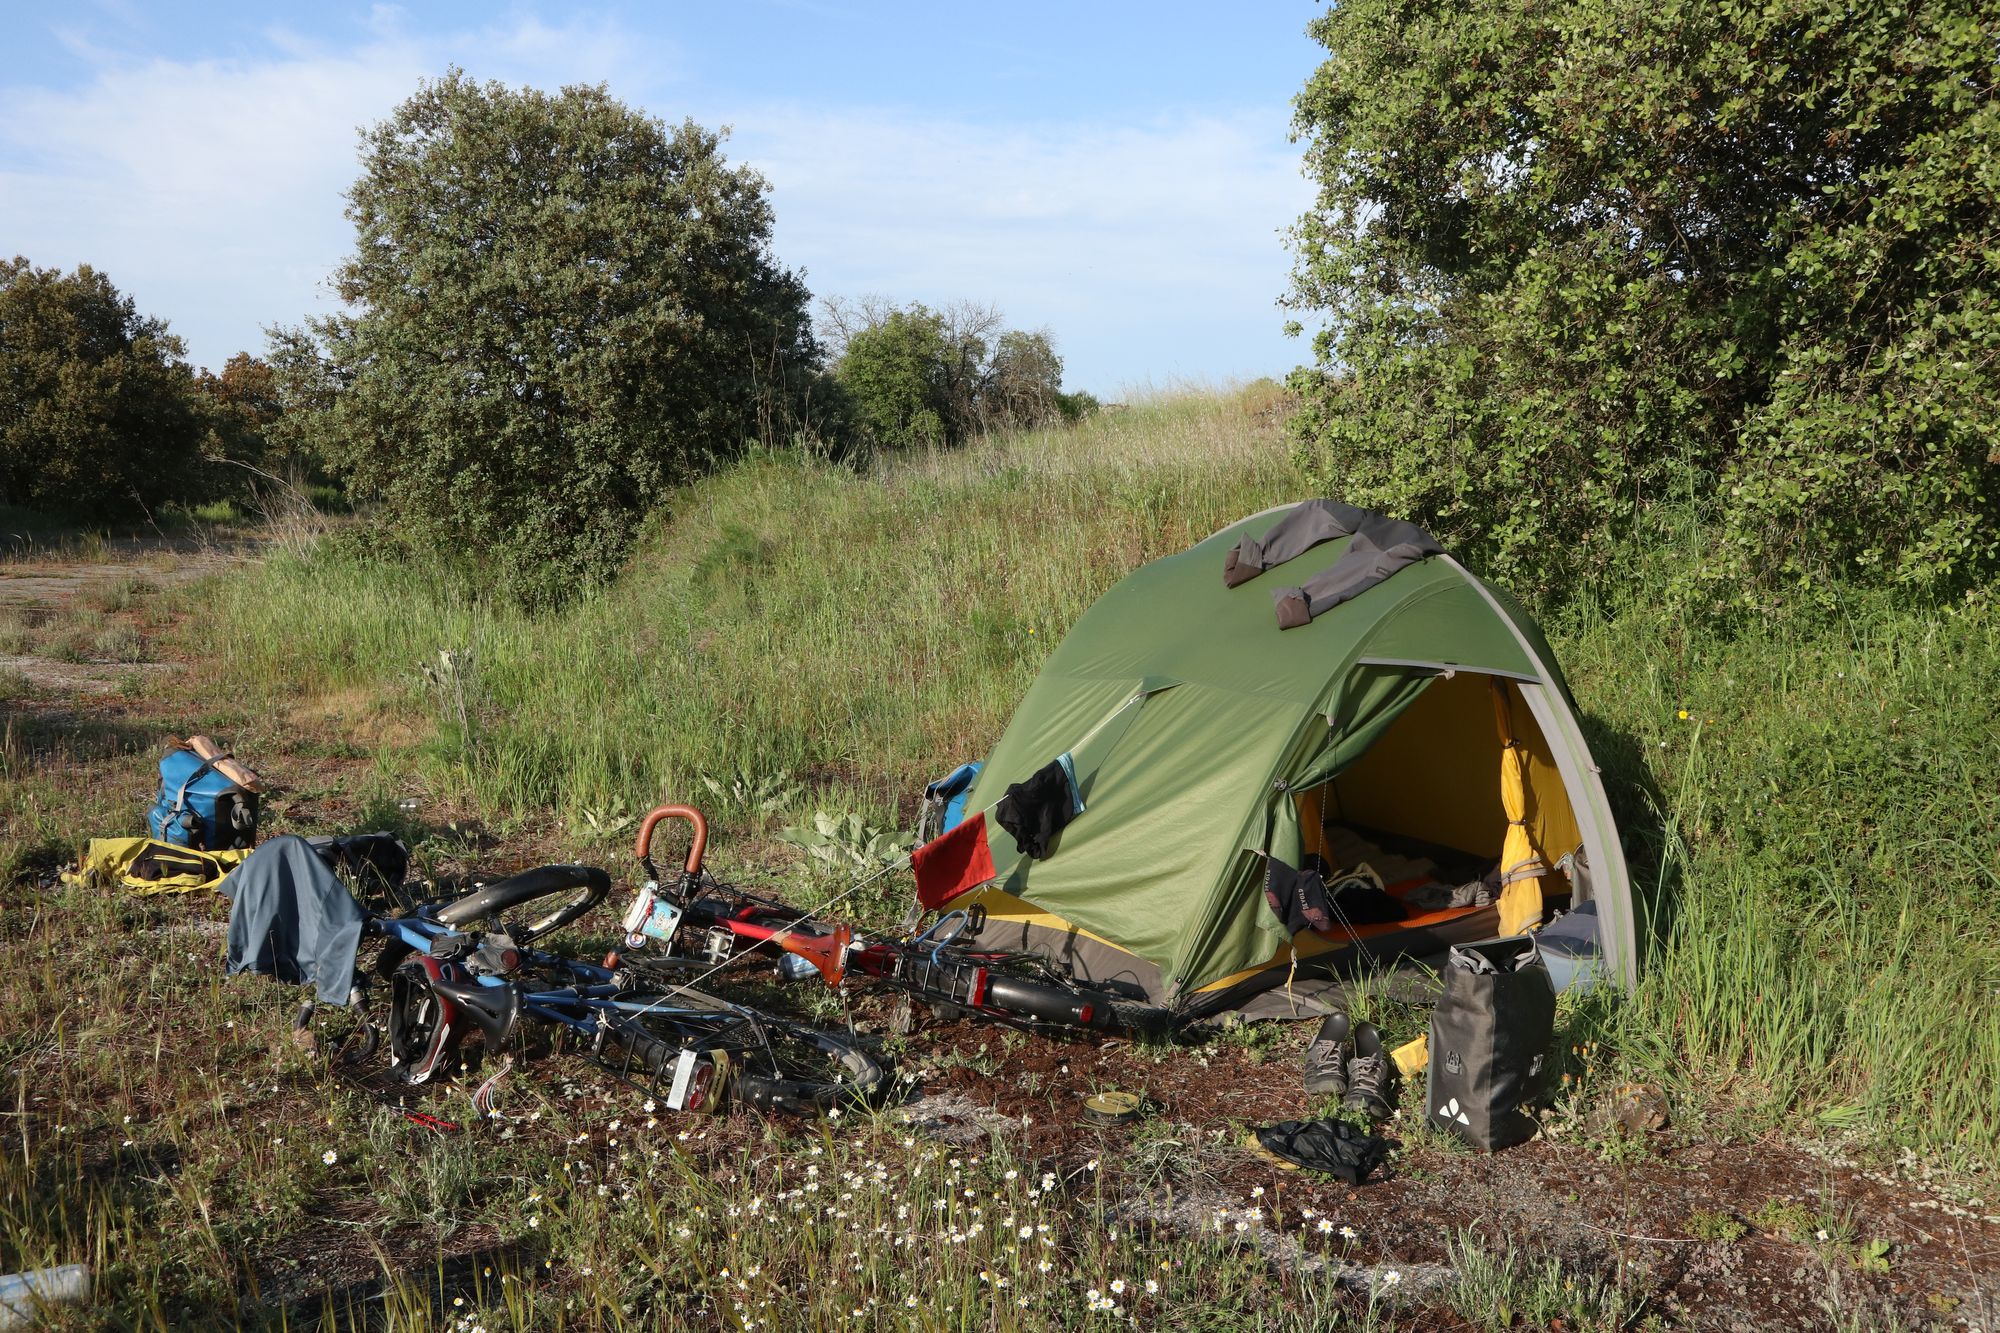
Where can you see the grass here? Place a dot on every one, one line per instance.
(117, 593)
(1495, 1287)
(17, 633)
(1814, 840)
(1814, 807)
(852, 633)
(29, 536)
(1816, 836)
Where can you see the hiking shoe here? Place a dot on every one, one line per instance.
(1327, 1057)
(1371, 1078)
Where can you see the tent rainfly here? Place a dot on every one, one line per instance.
(1312, 681)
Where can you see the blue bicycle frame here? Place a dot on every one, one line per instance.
(453, 966)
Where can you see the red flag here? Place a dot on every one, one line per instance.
(952, 864)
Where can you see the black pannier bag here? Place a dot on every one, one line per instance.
(1490, 1036)
(373, 865)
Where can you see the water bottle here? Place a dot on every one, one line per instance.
(22, 1294)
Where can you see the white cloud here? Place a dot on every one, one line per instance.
(211, 192)
(1148, 250)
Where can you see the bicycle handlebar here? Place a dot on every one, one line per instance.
(644, 847)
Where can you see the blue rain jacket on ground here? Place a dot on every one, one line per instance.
(290, 917)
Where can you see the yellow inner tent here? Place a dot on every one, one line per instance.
(1439, 774)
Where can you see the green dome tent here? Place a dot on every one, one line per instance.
(1418, 721)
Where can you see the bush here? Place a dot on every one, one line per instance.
(564, 309)
(1587, 257)
(1074, 407)
(1023, 382)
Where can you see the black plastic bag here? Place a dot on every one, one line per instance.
(1490, 1036)
(1332, 1146)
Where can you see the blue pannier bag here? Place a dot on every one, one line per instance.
(199, 807)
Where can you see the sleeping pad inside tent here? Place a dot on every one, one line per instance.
(1315, 688)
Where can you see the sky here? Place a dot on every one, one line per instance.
(1118, 174)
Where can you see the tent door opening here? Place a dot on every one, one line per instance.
(1424, 805)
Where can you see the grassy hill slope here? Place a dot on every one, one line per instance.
(1810, 809)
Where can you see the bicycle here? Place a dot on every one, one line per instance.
(455, 967)
(701, 919)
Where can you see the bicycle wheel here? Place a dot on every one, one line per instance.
(570, 890)
(734, 1052)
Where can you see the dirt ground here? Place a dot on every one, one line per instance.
(1620, 1203)
(1615, 1204)
(41, 586)
(1621, 1207)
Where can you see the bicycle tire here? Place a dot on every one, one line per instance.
(1143, 1020)
(771, 1063)
(587, 884)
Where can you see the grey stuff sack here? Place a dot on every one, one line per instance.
(1490, 1037)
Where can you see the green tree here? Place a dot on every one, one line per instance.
(897, 375)
(305, 387)
(1588, 263)
(562, 309)
(98, 417)
(242, 404)
(910, 375)
(1023, 382)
